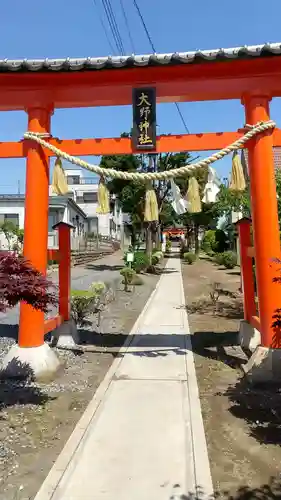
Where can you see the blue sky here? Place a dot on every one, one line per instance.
(59, 28)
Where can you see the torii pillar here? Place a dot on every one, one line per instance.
(265, 364)
(32, 356)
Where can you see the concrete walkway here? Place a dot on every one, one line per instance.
(142, 436)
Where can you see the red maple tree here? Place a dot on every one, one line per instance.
(20, 281)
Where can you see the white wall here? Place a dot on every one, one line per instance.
(11, 207)
(90, 209)
(56, 214)
(71, 214)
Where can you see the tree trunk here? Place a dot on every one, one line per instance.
(133, 236)
(158, 238)
(196, 239)
(148, 247)
(188, 238)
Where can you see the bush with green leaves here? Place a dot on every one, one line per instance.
(218, 259)
(221, 244)
(158, 253)
(98, 288)
(209, 241)
(128, 275)
(229, 259)
(214, 241)
(189, 257)
(168, 246)
(82, 305)
(156, 257)
(141, 262)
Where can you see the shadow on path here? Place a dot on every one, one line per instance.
(103, 267)
(269, 491)
(161, 345)
(9, 331)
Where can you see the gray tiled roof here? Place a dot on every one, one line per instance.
(95, 63)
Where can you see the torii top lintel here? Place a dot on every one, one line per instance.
(107, 81)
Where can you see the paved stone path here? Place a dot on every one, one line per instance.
(142, 436)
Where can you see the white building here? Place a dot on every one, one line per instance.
(85, 193)
(61, 208)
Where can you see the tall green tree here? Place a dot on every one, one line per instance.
(229, 201)
(236, 201)
(207, 218)
(10, 231)
(131, 194)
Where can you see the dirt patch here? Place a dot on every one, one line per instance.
(36, 420)
(242, 424)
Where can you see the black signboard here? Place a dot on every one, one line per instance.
(144, 118)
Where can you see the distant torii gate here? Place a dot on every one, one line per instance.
(245, 74)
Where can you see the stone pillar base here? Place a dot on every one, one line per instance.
(66, 335)
(35, 363)
(249, 338)
(264, 366)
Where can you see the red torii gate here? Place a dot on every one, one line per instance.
(252, 75)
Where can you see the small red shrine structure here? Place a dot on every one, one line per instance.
(249, 74)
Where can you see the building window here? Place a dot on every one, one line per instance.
(52, 220)
(73, 179)
(90, 197)
(13, 218)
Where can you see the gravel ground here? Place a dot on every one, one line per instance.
(37, 419)
(242, 424)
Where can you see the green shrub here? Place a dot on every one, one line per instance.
(229, 259)
(156, 258)
(141, 262)
(218, 258)
(168, 246)
(214, 241)
(128, 275)
(221, 241)
(209, 241)
(98, 288)
(82, 305)
(159, 254)
(189, 257)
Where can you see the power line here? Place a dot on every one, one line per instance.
(182, 118)
(113, 24)
(127, 25)
(104, 28)
(154, 50)
(144, 25)
(113, 32)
